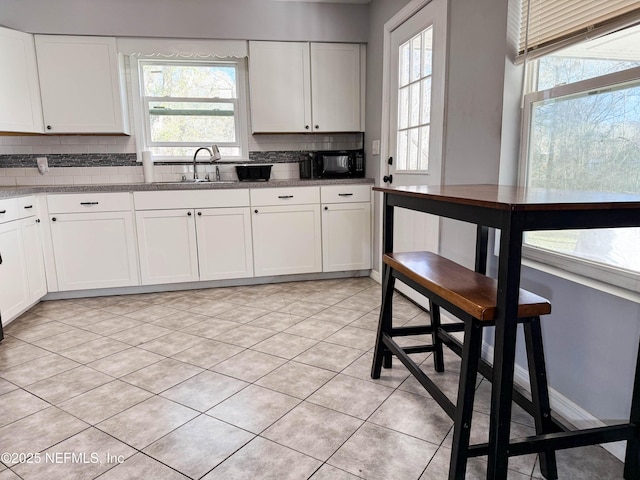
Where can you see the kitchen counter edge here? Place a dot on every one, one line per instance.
(16, 191)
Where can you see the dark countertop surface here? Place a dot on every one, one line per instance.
(10, 191)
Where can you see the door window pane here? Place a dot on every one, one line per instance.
(414, 102)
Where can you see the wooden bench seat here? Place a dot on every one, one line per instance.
(470, 291)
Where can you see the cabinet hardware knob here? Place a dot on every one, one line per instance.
(255, 211)
(48, 127)
(317, 127)
(28, 206)
(37, 220)
(306, 127)
(326, 208)
(53, 219)
(189, 214)
(199, 214)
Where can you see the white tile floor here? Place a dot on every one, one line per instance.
(262, 382)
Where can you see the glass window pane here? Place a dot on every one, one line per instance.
(425, 115)
(413, 149)
(588, 141)
(404, 61)
(403, 107)
(416, 50)
(427, 52)
(424, 148)
(186, 122)
(402, 150)
(188, 152)
(194, 81)
(415, 105)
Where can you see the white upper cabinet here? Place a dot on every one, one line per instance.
(280, 84)
(81, 84)
(20, 106)
(335, 87)
(302, 87)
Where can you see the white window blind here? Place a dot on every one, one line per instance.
(554, 24)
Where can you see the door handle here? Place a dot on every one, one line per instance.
(387, 179)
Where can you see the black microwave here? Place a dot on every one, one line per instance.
(334, 164)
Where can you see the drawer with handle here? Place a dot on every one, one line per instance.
(285, 196)
(345, 193)
(27, 206)
(8, 209)
(89, 202)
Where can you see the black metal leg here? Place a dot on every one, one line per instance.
(384, 324)
(540, 393)
(504, 348)
(466, 394)
(438, 357)
(632, 455)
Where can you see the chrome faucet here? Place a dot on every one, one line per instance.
(195, 174)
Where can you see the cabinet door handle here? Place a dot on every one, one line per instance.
(326, 208)
(255, 211)
(317, 127)
(285, 196)
(28, 206)
(48, 127)
(53, 219)
(345, 194)
(306, 127)
(0, 259)
(37, 220)
(89, 203)
(199, 214)
(2, 211)
(189, 214)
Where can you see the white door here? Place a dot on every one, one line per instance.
(224, 243)
(415, 85)
(167, 246)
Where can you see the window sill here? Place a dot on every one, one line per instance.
(582, 280)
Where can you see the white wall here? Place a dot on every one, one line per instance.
(221, 19)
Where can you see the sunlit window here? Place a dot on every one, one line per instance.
(191, 104)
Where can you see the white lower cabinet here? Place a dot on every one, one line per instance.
(14, 293)
(34, 258)
(346, 237)
(346, 227)
(167, 246)
(22, 277)
(93, 240)
(287, 239)
(224, 243)
(196, 242)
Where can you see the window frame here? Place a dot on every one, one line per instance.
(141, 107)
(610, 275)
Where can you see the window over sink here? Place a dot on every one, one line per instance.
(186, 104)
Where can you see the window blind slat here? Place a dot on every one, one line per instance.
(554, 21)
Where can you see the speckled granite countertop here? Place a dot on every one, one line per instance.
(8, 192)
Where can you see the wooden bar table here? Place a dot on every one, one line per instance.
(515, 210)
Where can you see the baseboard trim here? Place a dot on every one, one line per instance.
(375, 275)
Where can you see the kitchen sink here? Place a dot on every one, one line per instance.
(198, 182)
